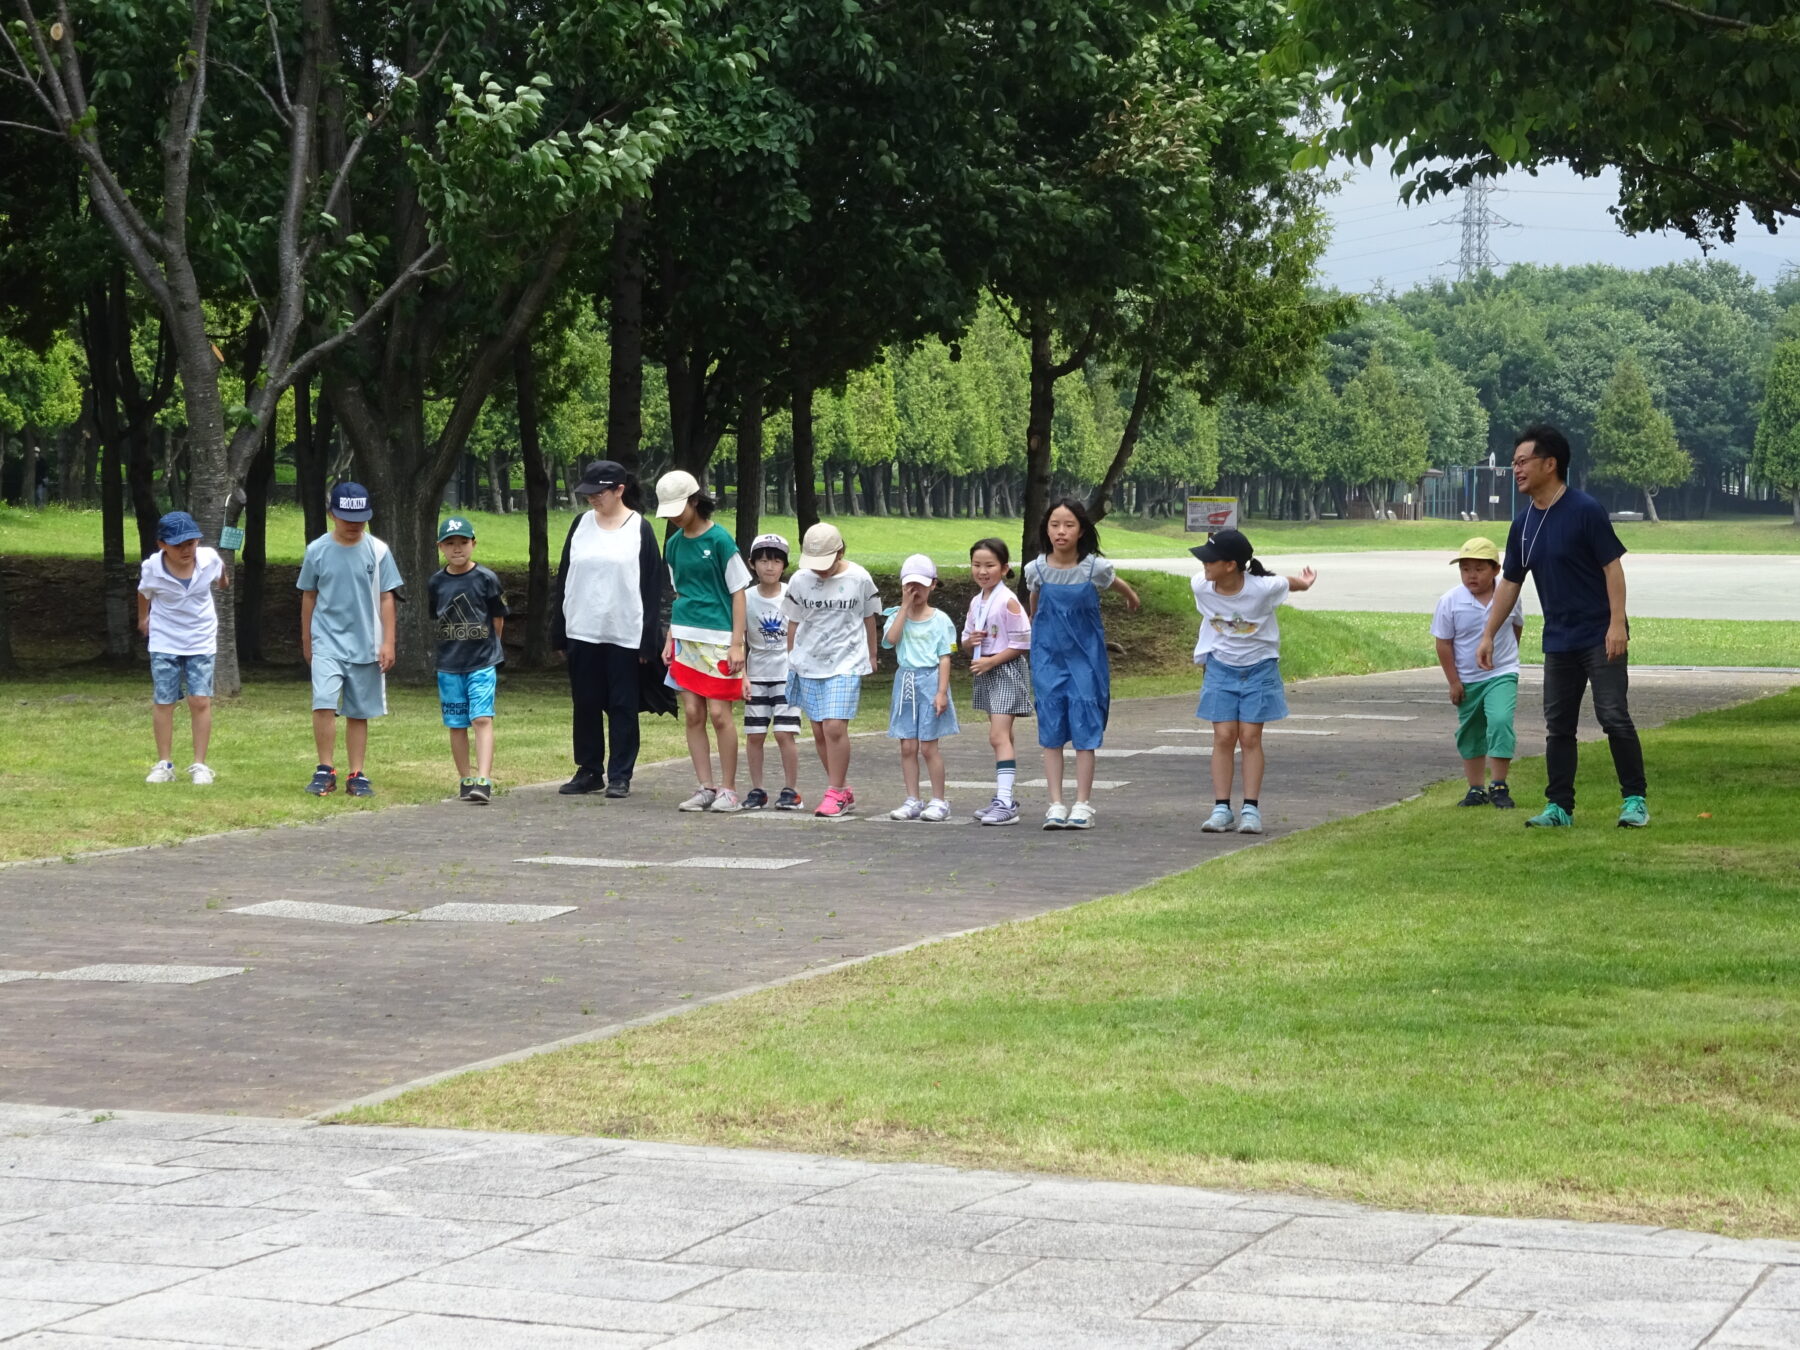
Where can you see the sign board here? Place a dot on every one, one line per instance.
(1207, 514)
(231, 537)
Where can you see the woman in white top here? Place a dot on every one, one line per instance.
(605, 612)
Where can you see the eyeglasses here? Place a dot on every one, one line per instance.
(1521, 463)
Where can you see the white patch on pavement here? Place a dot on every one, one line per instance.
(130, 974)
(1379, 717)
(306, 909)
(1100, 784)
(464, 913)
(8, 976)
(553, 860)
(740, 864)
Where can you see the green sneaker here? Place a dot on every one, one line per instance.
(1634, 815)
(1552, 817)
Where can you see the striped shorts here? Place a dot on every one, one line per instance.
(767, 709)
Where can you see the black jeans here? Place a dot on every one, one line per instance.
(1566, 678)
(603, 685)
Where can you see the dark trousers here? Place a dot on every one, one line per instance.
(603, 685)
(1567, 676)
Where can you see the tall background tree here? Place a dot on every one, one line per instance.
(1634, 440)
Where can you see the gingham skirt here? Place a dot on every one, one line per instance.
(1005, 689)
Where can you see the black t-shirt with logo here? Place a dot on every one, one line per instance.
(463, 610)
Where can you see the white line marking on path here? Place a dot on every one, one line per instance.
(306, 909)
(129, 974)
(1107, 752)
(1267, 731)
(8, 976)
(740, 864)
(1100, 784)
(464, 913)
(1379, 717)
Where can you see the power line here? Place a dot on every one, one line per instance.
(1478, 220)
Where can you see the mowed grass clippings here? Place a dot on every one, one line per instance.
(1421, 1007)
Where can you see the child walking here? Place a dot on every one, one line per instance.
(1070, 675)
(348, 582)
(831, 606)
(176, 614)
(998, 636)
(1485, 699)
(705, 651)
(1240, 646)
(921, 712)
(468, 611)
(766, 706)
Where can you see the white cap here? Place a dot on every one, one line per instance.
(918, 568)
(820, 547)
(673, 490)
(770, 541)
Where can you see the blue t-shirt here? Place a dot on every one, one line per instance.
(350, 580)
(1566, 550)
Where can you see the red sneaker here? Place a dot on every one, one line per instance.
(834, 805)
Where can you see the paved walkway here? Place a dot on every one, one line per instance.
(1661, 585)
(148, 1232)
(118, 974)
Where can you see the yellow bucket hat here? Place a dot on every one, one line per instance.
(1478, 549)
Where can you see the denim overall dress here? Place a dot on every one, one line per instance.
(1069, 672)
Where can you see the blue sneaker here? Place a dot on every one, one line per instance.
(1220, 821)
(1249, 821)
(357, 785)
(1635, 814)
(324, 781)
(1552, 817)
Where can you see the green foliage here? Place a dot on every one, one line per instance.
(1385, 436)
(1777, 457)
(1634, 441)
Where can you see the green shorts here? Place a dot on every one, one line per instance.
(1484, 718)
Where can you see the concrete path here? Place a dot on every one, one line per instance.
(146, 1232)
(1659, 585)
(286, 971)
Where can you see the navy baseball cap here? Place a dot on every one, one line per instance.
(177, 528)
(350, 501)
(1227, 546)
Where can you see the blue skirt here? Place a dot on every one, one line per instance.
(1243, 693)
(912, 714)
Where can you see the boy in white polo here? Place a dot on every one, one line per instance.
(348, 585)
(176, 614)
(1485, 699)
(831, 605)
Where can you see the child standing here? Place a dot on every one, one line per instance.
(998, 636)
(1070, 675)
(766, 706)
(1240, 646)
(468, 607)
(831, 607)
(921, 712)
(1485, 699)
(705, 651)
(176, 614)
(347, 584)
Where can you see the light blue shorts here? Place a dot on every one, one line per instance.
(912, 712)
(825, 698)
(465, 696)
(1243, 693)
(354, 688)
(169, 673)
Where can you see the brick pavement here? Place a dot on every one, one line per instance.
(324, 1012)
(153, 1232)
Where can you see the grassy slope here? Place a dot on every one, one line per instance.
(882, 542)
(1416, 1008)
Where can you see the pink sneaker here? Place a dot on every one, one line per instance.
(834, 804)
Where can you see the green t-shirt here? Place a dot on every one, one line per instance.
(708, 570)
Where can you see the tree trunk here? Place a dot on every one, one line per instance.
(252, 578)
(498, 478)
(874, 499)
(8, 665)
(851, 506)
(1650, 507)
(312, 443)
(119, 575)
(537, 510)
(749, 468)
(28, 473)
(625, 313)
(806, 490)
(1038, 421)
(1128, 439)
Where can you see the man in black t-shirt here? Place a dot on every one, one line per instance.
(1565, 540)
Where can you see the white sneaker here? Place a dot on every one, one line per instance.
(1082, 817)
(1056, 817)
(702, 800)
(1220, 821)
(725, 801)
(1249, 821)
(200, 774)
(936, 811)
(164, 772)
(910, 809)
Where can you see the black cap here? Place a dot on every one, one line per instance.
(600, 473)
(1225, 546)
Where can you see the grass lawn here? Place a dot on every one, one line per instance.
(881, 542)
(1416, 1008)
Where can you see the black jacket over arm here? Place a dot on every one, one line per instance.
(653, 695)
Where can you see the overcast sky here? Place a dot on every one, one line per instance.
(1561, 219)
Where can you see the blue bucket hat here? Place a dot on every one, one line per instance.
(350, 501)
(177, 528)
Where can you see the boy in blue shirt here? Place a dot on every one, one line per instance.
(348, 586)
(468, 612)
